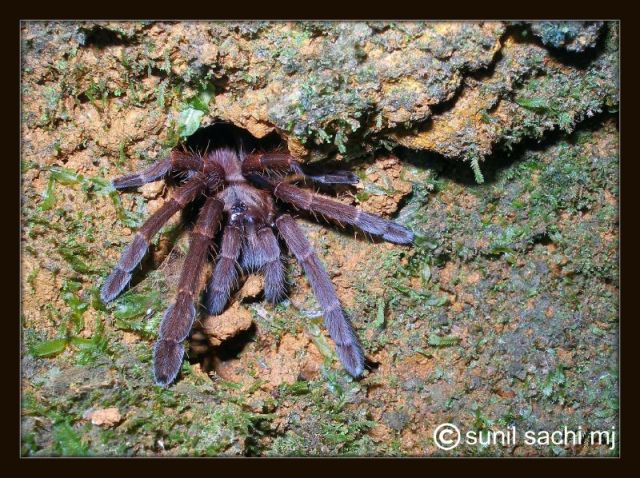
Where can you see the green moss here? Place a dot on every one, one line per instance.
(49, 348)
(448, 341)
(553, 386)
(68, 442)
(141, 310)
(73, 253)
(534, 104)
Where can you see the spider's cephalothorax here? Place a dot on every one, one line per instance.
(240, 190)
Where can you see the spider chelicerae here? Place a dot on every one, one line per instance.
(246, 197)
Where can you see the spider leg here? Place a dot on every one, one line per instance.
(282, 162)
(272, 268)
(265, 162)
(179, 317)
(335, 177)
(175, 162)
(135, 251)
(261, 251)
(225, 273)
(347, 344)
(317, 203)
(251, 256)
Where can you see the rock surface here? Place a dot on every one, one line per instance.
(503, 313)
(458, 89)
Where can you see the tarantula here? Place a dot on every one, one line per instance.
(241, 191)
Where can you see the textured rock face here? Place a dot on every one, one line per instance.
(457, 89)
(527, 93)
(572, 36)
(503, 313)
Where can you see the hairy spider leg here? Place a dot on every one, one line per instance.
(282, 162)
(251, 257)
(176, 161)
(179, 317)
(263, 162)
(271, 267)
(225, 272)
(343, 213)
(136, 250)
(261, 251)
(340, 329)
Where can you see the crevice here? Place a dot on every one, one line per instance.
(102, 37)
(230, 349)
(211, 357)
(501, 158)
(223, 134)
(522, 33)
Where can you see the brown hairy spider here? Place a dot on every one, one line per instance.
(240, 192)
